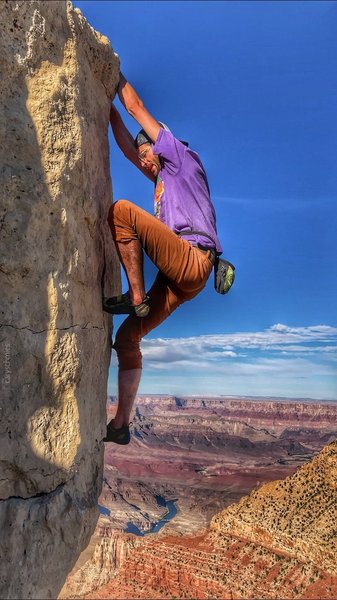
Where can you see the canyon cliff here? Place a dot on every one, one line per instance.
(252, 494)
(277, 542)
(58, 79)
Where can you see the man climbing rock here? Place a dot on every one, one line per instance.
(181, 240)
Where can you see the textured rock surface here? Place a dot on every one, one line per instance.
(58, 78)
(278, 542)
(207, 453)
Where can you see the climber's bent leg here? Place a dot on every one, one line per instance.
(164, 301)
(184, 271)
(184, 265)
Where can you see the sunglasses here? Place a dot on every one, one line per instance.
(142, 155)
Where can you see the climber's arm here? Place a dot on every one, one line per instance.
(125, 141)
(135, 107)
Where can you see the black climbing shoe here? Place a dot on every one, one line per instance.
(121, 305)
(118, 436)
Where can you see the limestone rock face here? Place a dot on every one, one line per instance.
(58, 77)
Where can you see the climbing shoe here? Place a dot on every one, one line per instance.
(118, 436)
(122, 305)
(224, 275)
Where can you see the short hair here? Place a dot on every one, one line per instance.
(142, 137)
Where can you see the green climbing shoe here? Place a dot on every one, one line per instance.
(121, 305)
(224, 275)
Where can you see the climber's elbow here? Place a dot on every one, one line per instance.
(136, 109)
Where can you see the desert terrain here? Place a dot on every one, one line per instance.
(191, 460)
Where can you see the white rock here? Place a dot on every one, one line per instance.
(58, 79)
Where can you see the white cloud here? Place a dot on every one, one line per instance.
(278, 338)
(281, 360)
(279, 367)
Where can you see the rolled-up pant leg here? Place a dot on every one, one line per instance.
(184, 271)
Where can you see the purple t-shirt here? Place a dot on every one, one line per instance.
(182, 197)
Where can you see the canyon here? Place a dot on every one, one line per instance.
(232, 466)
(228, 497)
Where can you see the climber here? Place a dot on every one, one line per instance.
(181, 240)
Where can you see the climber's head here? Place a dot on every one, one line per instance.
(150, 161)
(144, 145)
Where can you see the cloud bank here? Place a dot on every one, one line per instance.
(281, 360)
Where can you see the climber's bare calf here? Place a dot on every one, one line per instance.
(131, 257)
(128, 382)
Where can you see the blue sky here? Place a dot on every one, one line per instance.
(253, 87)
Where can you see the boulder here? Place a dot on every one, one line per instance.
(58, 79)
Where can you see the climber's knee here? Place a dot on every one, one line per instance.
(120, 220)
(128, 353)
(131, 359)
(122, 204)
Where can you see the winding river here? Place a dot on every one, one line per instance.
(171, 511)
(170, 514)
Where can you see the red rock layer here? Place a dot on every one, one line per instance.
(278, 542)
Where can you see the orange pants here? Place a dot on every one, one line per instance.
(183, 273)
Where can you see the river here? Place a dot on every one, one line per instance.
(132, 528)
(170, 514)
